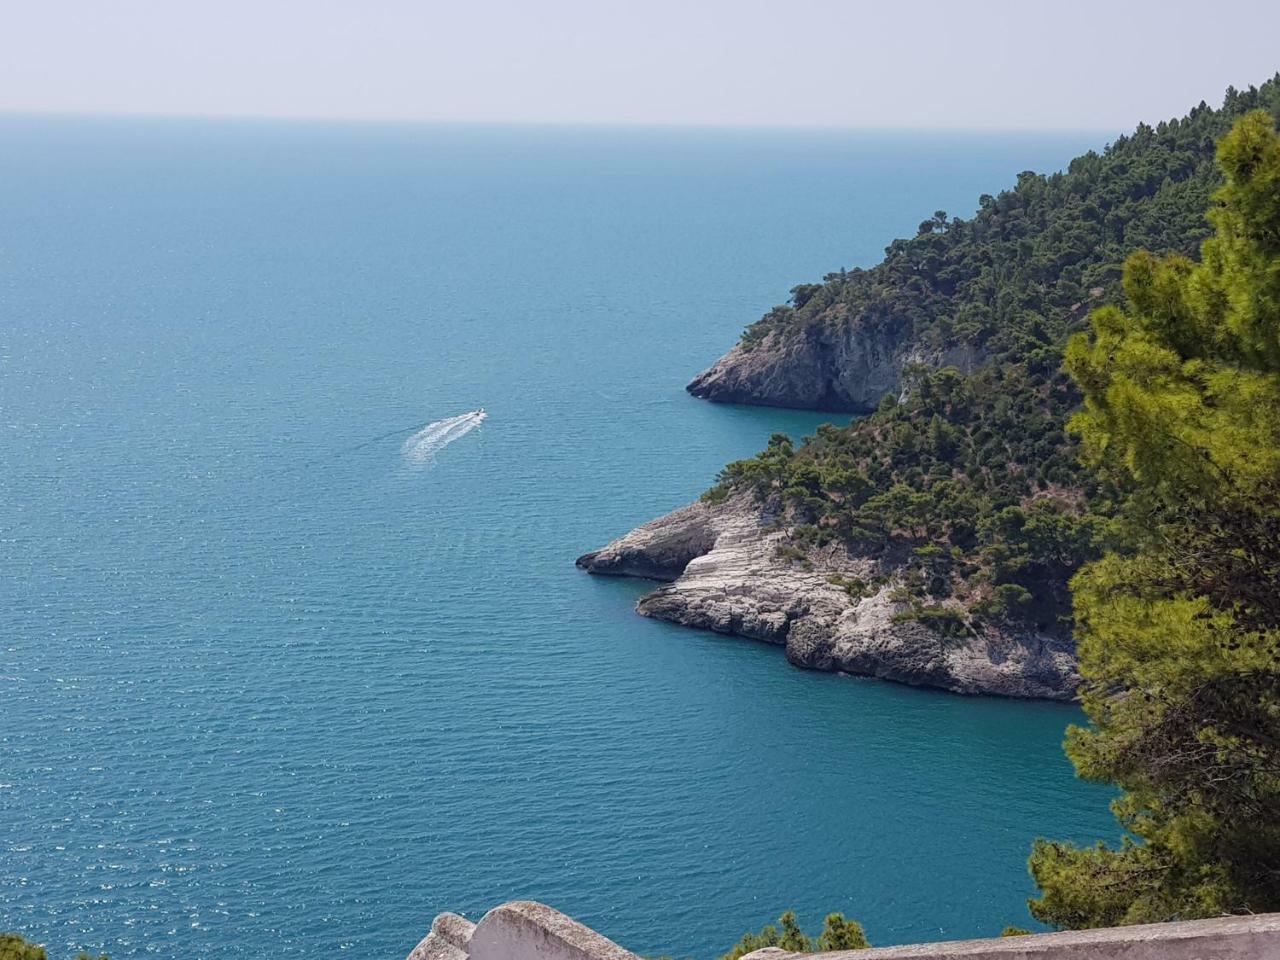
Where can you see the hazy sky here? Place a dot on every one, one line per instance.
(1097, 64)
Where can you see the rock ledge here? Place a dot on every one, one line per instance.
(844, 368)
(723, 573)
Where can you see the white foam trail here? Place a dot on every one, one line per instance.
(433, 436)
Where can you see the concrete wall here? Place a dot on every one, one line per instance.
(524, 930)
(1227, 938)
(520, 930)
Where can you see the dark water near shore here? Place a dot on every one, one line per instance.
(268, 688)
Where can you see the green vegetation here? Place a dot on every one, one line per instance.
(981, 506)
(969, 490)
(1009, 277)
(14, 947)
(1179, 623)
(837, 934)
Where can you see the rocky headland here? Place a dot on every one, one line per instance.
(836, 366)
(724, 571)
(933, 540)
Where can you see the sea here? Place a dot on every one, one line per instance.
(293, 652)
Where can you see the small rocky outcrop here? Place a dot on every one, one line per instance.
(659, 550)
(845, 367)
(725, 574)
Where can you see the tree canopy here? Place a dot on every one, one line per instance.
(15, 947)
(837, 934)
(1179, 622)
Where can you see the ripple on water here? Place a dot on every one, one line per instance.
(266, 689)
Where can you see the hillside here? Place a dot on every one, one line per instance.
(1000, 286)
(932, 540)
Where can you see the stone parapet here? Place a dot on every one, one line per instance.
(524, 930)
(520, 930)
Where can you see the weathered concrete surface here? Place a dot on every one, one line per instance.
(1224, 938)
(520, 930)
(448, 940)
(524, 930)
(725, 575)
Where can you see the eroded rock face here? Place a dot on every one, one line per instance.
(725, 575)
(658, 550)
(846, 368)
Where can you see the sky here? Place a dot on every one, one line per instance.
(977, 64)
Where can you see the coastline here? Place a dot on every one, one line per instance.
(721, 571)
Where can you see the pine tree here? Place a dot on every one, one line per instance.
(841, 934)
(1179, 623)
(837, 934)
(14, 947)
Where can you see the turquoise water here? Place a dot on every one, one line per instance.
(269, 688)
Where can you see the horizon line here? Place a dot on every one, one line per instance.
(10, 113)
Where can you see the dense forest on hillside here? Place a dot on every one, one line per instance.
(969, 487)
(1009, 276)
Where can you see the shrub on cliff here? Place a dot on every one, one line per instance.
(837, 934)
(1179, 623)
(14, 947)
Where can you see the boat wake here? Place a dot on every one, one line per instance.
(434, 436)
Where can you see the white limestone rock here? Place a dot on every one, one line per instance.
(725, 575)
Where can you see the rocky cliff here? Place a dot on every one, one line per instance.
(837, 366)
(966, 494)
(998, 285)
(725, 573)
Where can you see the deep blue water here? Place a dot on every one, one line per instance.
(269, 689)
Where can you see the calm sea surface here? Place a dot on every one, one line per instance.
(269, 687)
